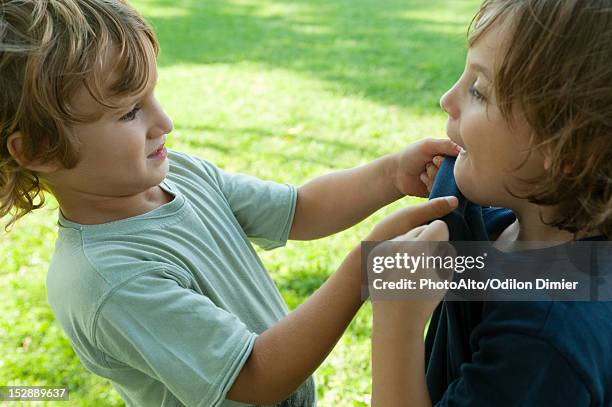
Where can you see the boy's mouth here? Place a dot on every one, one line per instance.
(462, 149)
(159, 150)
(455, 139)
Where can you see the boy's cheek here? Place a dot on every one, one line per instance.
(466, 181)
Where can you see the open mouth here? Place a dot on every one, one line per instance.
(462, 149)
(157, 152)
(455, 138)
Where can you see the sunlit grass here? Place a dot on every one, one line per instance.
(281, 90)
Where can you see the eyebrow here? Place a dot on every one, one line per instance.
(479, 68)
(133, 99)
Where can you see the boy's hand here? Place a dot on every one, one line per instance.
(411, 219)
(416, 167)
(413, 314)
(398, 350)
(410, 224)
(285, 354)
(431, 170)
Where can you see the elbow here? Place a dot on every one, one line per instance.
(259, 386)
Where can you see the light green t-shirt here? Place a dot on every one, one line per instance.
(167, 304)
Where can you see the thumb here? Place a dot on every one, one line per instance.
(441, 147)
(436, 231)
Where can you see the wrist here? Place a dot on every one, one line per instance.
(391, 169)
(396, 321)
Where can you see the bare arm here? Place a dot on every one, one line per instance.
(336, 201)
(285, 355)
(289, 352)
(398, 363)
(398, 350)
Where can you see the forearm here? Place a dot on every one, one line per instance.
(336, 201)
(289, 352)
(398, 363)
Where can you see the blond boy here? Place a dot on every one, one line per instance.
(154, 279)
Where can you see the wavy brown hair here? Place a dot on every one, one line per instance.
(556, 69)
(49, 49)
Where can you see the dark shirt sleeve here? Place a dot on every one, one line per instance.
(516, 370)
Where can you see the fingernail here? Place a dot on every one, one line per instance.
(452, 201)
(438, 161)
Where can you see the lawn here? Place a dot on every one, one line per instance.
(285, 90)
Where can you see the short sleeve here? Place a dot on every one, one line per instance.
(516, 370)
(264, 209)
(174, 335)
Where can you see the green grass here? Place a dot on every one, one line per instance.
(282, 90)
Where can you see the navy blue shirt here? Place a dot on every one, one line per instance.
(503, 353)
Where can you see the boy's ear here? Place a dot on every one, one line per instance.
(14, 144)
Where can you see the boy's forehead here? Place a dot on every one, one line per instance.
(85, 104)
(110, 74)
(484, 53)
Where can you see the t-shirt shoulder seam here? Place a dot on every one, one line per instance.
(89, 260)
(112, 291)
(204, 165)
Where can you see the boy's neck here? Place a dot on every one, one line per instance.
(94, 210)
(529, 227)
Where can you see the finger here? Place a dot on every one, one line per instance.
(437, 160)
(435, 146)
(424, 212)
(436, 231)
(432, 170)
(423, 191)
(407, 219)
(426, 180)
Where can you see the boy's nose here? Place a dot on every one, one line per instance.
(166, 123)
(447, 104)
(163, 124)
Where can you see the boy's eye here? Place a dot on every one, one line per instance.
(130, 115)
(474, 92)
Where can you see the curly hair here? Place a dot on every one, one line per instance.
(556, 70)
(49, 49)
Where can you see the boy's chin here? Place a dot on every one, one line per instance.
(470, 191)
